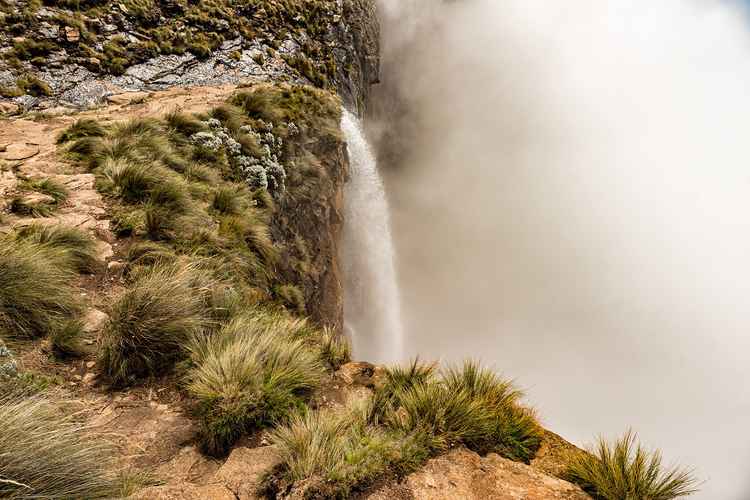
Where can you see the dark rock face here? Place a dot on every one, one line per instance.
(358, 53)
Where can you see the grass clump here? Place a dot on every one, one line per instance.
(625, 470)
(413, 415)
(151, 322)
(85, 127)
(47, 454)
(227, 200)
(30, 84)
(250, 374)
(66, 339)
(470, 406)
(333, 452)
(514, 432)
(27, 204)
(50, 187)
(75, 246)
(335, 349)
(36, 295)
(291, 297)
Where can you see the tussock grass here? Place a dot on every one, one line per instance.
(24, 206)
(159, 223)
(470, 406)
(398, 380)
(51, 188)
(47, 454)
(20, 205)
(452, 418)
(138, 182)
(227, 200)
(147, 253)
(85, 127)
(252, 232)
(335, 452)
(66, 339)
(151, 322)
(625, 470)
(413, 415)
(201, 173)
(232, 117)
(36, 294)
(291, 297)
(75, 246)
(184, 123)
(514, 431)
(250, 374)
(335, 349)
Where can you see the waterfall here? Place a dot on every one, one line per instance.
(372, 310)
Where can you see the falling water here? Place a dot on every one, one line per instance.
(371, 304)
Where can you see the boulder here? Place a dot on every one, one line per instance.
(244, 470)
(185, 491)
(94, 320)
(464, 475)
(19, 151)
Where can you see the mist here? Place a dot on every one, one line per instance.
(570, 198)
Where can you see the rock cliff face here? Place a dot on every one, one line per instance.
(77, 54)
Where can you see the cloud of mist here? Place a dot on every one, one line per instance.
(570, 191)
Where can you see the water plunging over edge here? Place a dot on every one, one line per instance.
(372, 307)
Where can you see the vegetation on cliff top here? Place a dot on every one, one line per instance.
(412, 415)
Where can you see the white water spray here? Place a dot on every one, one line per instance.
(372, 310)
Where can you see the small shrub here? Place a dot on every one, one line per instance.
(250, 374)
(79, 248)
(151, 321)
(624, 470)
(85, 127)
(47, 454)
(36, 294)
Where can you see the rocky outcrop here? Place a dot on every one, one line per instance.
(238, 479)
(359, 68)
(82, 60)
(464, 475)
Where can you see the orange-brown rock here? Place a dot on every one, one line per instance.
(464, 475)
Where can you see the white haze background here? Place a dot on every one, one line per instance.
(570, 189)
